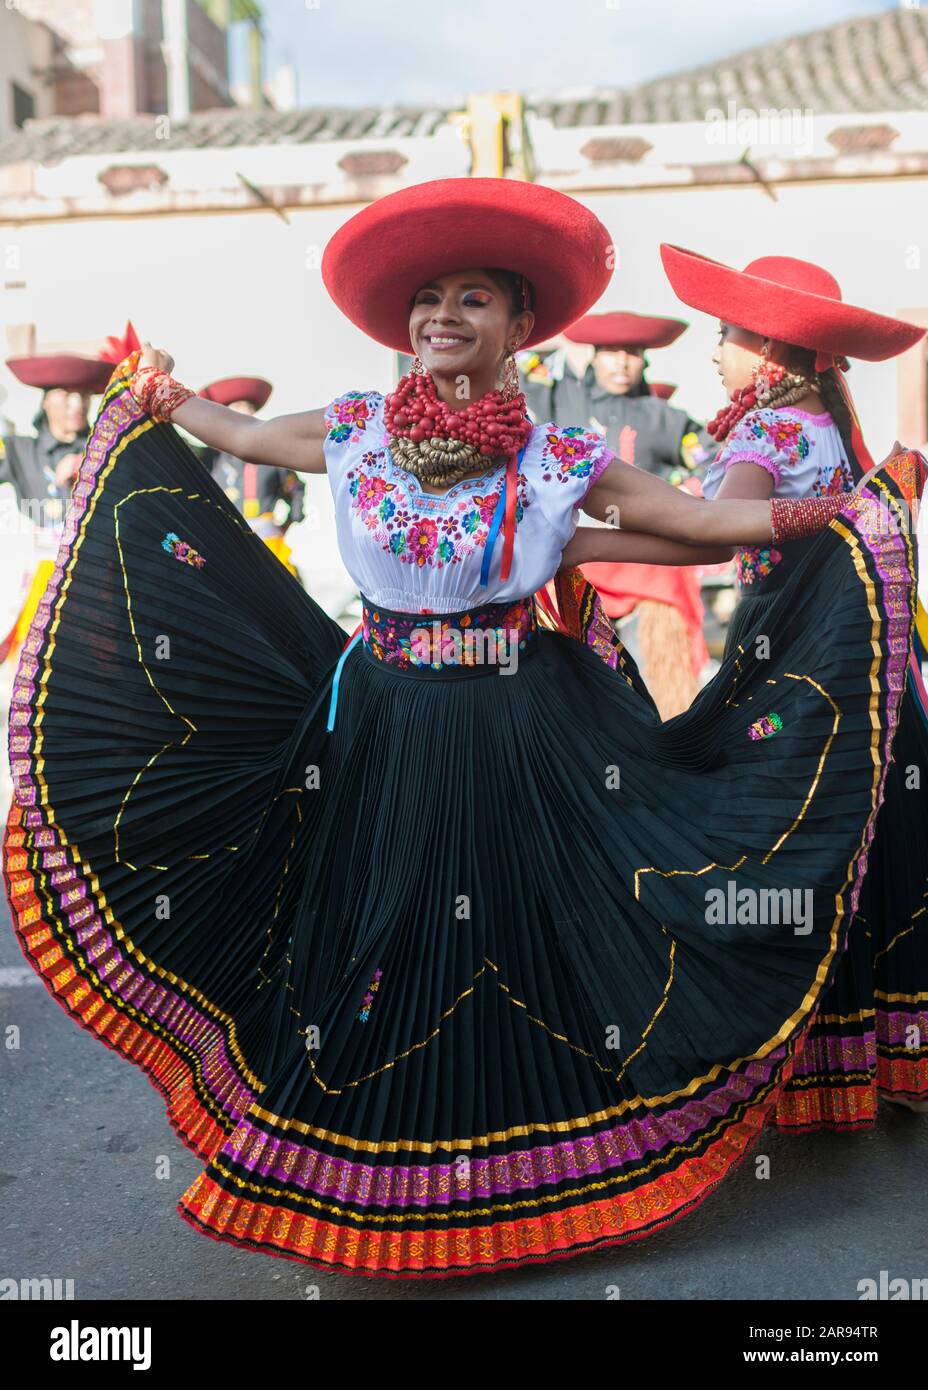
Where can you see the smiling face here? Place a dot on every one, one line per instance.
(619, 369)
(463, 325)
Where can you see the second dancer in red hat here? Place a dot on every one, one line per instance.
(790, 431)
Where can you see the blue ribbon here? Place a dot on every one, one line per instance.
(336, 678)
(495, 524)
(492, 534)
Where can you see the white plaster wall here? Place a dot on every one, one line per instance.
(870, 235)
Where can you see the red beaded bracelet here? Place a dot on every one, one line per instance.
(158, 393)
(793, 518)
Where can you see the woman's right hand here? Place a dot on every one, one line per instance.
(155, 357)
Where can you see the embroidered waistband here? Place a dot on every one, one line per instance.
(493, 635)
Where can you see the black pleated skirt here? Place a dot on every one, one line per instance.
(497, 969)
(870, 1035)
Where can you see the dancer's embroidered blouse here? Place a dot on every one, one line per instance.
(802, 452)
(804, 455)
(413, 551)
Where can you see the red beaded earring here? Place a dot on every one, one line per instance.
(766, 375)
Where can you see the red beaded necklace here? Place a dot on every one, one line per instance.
(721, 425)
(493, 425)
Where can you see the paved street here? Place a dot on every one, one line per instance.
(84, 1134)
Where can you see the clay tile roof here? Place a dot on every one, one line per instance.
(875, 63)
(47, 139)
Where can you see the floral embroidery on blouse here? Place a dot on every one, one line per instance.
(425, 529)
(173, 544)
(766, 727)
(785, 435)
(384, 514)
(755, 564)
(367, 1001)
(841, 479)
(349, 415)
(572, 450)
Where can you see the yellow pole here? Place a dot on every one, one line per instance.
(496, 128)
(255, 64)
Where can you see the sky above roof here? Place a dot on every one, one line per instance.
(433, 52)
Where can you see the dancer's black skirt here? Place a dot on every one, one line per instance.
(498, 969)
(870, 1035)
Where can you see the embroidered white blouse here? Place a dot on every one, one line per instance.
(411, 551)
(802, 452)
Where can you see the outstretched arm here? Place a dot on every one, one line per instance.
(634, 500)
(605, 543)
(289, 441)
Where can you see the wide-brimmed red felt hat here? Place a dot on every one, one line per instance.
(375, 263)
(625, 330)
(238, 388)
(62, 370)
(663, 389)
(789, 300)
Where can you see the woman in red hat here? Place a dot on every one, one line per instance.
(418, 957)
(790, 431)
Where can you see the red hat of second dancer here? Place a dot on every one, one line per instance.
(238, 388)
(375, 263)
(631, 330)
(789, 300)
(663, 389)
(62, 371)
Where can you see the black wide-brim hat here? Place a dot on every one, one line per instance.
(375, 263)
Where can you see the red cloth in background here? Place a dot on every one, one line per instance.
(624, 586)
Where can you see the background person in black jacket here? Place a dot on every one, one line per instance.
(270, 499)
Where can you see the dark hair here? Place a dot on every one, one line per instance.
(803, 360)
(520, 291)
(834, 402)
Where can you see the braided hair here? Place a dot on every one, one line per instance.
(834, 402)
(832, 398)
